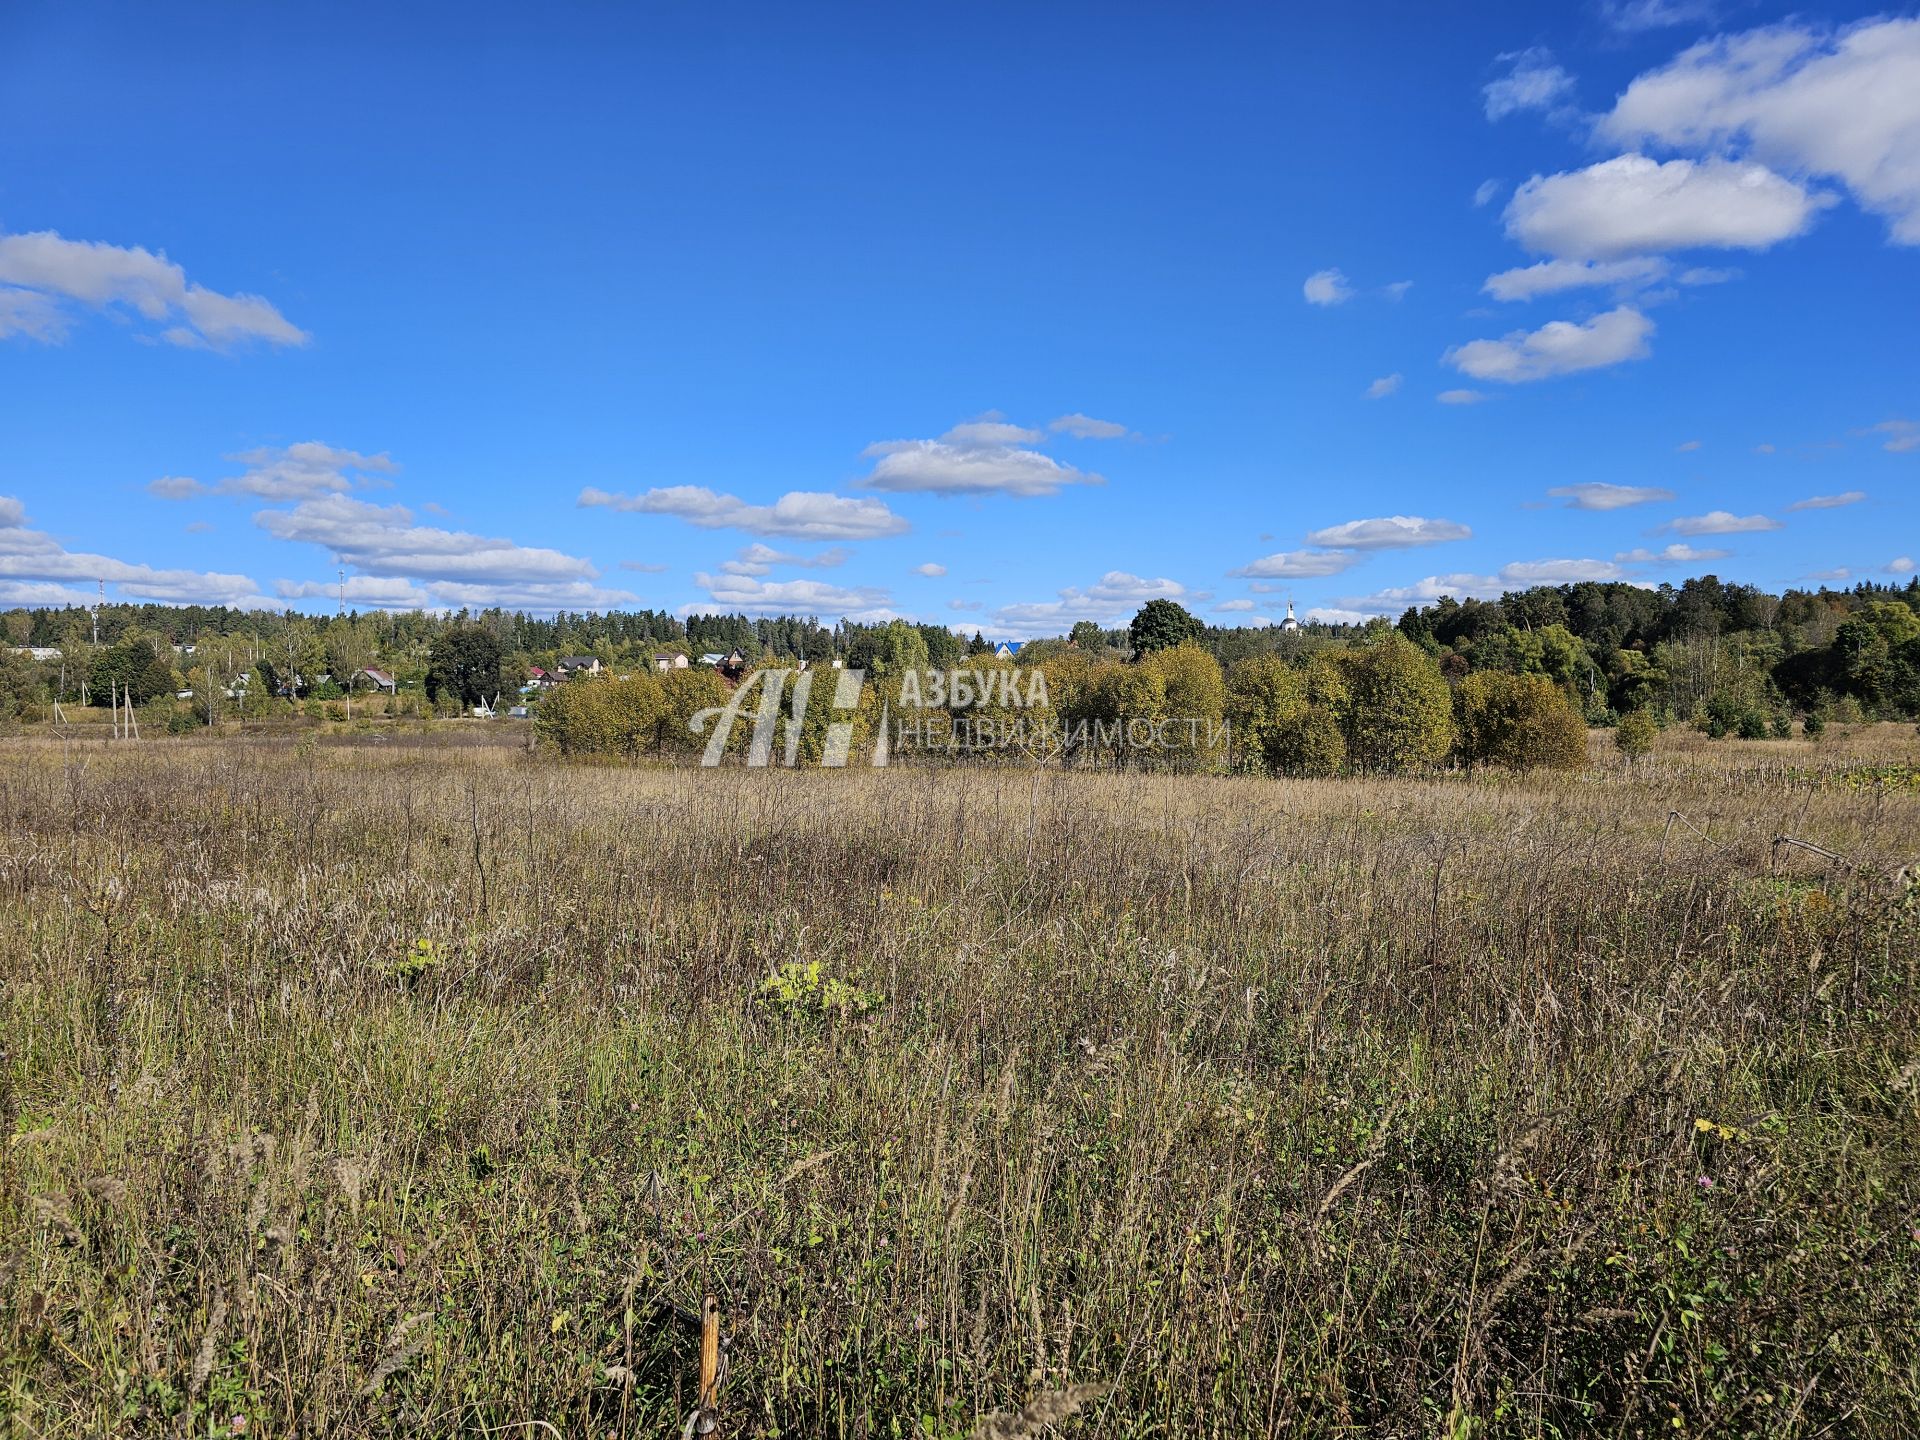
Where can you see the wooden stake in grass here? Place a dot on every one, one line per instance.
(705, 1420)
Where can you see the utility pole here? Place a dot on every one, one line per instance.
(96, 612)
(343, 592)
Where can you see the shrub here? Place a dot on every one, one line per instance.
(1519, 721)
(1752, 725)
(1399, 714)
(1635, 733)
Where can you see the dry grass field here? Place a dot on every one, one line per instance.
(405, 1089)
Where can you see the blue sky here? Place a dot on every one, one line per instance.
(996, 316)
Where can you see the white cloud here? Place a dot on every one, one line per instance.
(34, 556)
(1599, 495)
(1396, 289)
(931, 570)
(980, 457)
(1839, 572)
(1386, 385)
(1334, 615)
(1687, 446)
(297, 472)
(1551, 276)
(454, 567)
(645, 567)
(1631, 16)
(1763, 449)
(55, 272)
(1810, 100)
(1829, 502)
(1520, 575)
(1524, 573)
(1460, 397)
(988, 431)
(752, 596)
(1634, 205)
(1326, 287)
(1484, 192)
(1085, 427)
(364, 592)
(797, 515)
(1533, 83)
(1678, 553)
(1720, 522)
(1111, 600)
(758, 559)
(1389, 532)
(1560, 347)
(1902, 435)
(1901, 565)
(1299, 564)
(1233, 606)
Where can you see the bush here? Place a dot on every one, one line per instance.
(1752, 725)
(1399, 713)
(1518, 721)
(1634, 735)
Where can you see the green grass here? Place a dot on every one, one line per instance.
(363, 1091)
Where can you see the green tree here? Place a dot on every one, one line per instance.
(1160, 625)
(1635, 734)
(134, 666)
(1399, 713)
(1518, 721)
(468, 663)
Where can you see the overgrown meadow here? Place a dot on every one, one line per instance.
(373, 1088)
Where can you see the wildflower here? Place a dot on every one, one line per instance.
(1706, 1183)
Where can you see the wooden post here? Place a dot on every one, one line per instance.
(709, 1423)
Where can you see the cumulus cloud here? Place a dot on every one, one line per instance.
(44, 276)
(1085, 427)
(931, 570)
(1326, 287)
(454, 567)
(1635, 205)
(1552, 276)
(363, 592)
(1110, 600)
(1460, 397)
(1901, 565)
(1533, 82)
(1388, 532)
(1829, 502)
(1299, 564)
(1678, 553)
(1233, 606)
(1386, 385)
(1720, 522)
(1560, 347)
(297, 472)
(50, 569)
(797, 515)
(1484, 192)
(750, 595)
(1519, 575)
(1801, 97)
(980, 457)
(758, 559)
(1599, 495)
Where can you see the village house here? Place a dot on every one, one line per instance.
(670, 660)
(380, 680)
(573, 666)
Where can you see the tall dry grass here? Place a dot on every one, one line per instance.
(1464, 1105)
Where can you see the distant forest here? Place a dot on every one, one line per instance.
(1725, 656)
